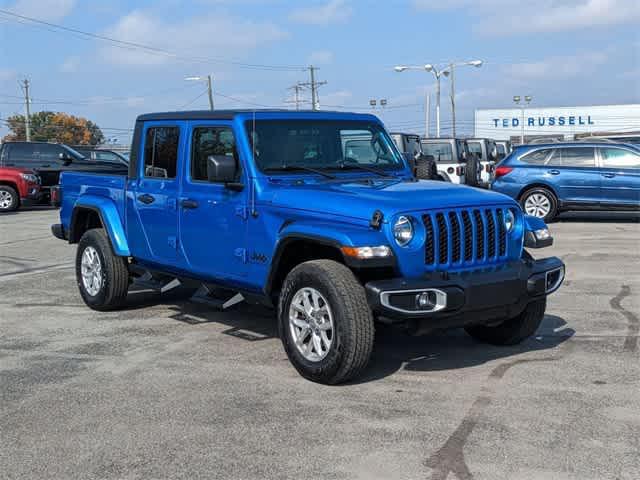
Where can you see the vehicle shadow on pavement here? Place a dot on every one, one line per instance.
(598, 217)
(395, 350)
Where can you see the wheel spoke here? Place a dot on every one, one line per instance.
(304, 332)
(311, 324)
(300, 322)
(316, 343)
(325, 325)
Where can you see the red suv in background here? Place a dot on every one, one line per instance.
(18, 187)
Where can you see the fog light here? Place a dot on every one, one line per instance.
(426, 300)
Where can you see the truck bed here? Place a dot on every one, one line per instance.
(98, 185)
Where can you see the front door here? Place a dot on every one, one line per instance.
(152, 223)
(619, 176)
(213, 217)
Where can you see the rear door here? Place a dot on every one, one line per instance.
(620, 176)
(573, 172)
(213, 218)
(152, 206)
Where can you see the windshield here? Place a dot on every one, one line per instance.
(281, 145)
(441, 152)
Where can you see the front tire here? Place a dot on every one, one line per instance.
(102, 276)
(325, 323)
(513, 330)
(9, 200)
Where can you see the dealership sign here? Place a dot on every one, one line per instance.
(545, 121)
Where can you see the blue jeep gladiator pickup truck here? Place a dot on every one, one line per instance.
(315, 214)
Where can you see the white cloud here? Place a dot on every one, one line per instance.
(558, 67)
(320, 57)
(525, 16)
(333, 11)
(207, 36)
(50, 10)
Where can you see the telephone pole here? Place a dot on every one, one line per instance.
(210, 92)
(313, 84)
(27, 101)
(297, 88)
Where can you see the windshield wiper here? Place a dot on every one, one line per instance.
(357, 166)
(299, 168)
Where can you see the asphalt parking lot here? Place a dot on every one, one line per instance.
(170, 389)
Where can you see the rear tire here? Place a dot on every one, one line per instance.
(513, 330)
(9, 199)
(310, 291)
(102, 276)
(540, 202)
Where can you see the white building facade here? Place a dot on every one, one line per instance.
(556, 122)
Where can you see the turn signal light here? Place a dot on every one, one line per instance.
(502, 171)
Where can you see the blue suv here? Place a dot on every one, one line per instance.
(550, 178)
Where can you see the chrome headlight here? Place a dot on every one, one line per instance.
(403, 231)
(30, 177)
(509, 220)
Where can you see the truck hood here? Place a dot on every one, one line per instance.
(359, 199)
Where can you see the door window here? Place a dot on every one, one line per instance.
(619, 158)
(161, 152)
(49, 153)
(21, 152)
(573, 157)
(208, 141)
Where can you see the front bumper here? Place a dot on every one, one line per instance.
(464, 298)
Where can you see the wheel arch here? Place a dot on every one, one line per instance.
(100, 213)
(535, 185)
(9, 183)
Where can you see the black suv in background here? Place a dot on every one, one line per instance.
(99, 155)
(48, 160)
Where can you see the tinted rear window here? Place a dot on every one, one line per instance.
(442, 152)
(537, 157)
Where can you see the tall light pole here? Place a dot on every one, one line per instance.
(471, 63)
(517, 100)
(27, 101)
(437, 73)
(209, 87)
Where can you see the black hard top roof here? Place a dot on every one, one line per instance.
(220, 114)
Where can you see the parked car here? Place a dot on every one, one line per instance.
(504, 148)
(629, 138)
(19, 187)
(49, 159)
(269, 207)
(548, 179)
(99, 155)
(423, 166)
(451, 157)
(486, 151)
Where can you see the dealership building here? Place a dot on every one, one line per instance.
(565, 123)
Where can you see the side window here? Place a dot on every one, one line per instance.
(49, 153)
(573, 157)
(619, 158)
(537, 157)
(161, 152)
(21, 152)
(209, 141)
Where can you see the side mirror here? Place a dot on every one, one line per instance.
(222, 169)
(65, 158)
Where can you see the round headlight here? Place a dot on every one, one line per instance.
(403, 231)
(509, 220)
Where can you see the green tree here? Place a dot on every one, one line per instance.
(55, 127)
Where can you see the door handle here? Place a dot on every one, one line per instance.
(553, 172)
(608, 175)
(146, 198)
(187, 203)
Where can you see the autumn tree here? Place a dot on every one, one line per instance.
(55, 127)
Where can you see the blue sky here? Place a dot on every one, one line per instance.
(562, 52)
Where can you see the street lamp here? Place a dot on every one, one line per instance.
(437, 73)
(517, 100)
(209, 88)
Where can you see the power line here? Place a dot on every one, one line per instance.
(147, 48)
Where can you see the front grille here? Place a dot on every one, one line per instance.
(464, 237)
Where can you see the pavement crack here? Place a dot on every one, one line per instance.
(449, 459)
(633, 325)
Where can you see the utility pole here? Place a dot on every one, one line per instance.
(313, 84)
(427, 113)
(210, 92)
(297, 88)
(453, 100)
(27, 101)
